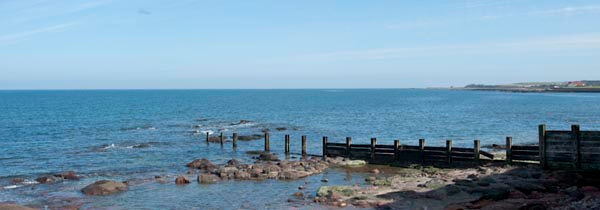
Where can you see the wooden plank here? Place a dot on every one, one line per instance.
(336, 144)
(335, 147)
(460, 149)
(552, 159)
(487, 154)
(435, 149)
(360, 149)
(558, 165)
(526, 157)
(462, 154)
(384, 146)
(361, 146)
(558, 135)
(590, 135)
(526, 147)
(463, 159)
(384, 150)
(553, 148)
(590, 157)
(595, 144)
(558, 154)
(590, 166)
(522, 152)
(409, 147)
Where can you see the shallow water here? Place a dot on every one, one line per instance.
(128, 135)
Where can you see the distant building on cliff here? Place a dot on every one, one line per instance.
(576, 84)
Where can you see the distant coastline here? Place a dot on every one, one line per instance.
(583, 86)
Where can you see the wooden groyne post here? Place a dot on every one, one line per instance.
(422, 149)
(396, 149)
(325, 139)
(508, 150)
(577, 136)
(542, 135)
(373, 143)
(267, 146)
(287, 143)
(222, 138)
(348, 146)
(449, 151)
(207, 136)
(235, 138)
(476, 147)
(303, 145)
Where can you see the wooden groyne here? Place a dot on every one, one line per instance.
(574, 149)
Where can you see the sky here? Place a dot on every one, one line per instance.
(193, 44)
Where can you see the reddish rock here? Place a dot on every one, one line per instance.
(104, 187)
(182, 180)
(70, 175)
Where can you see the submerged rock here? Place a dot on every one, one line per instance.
(12, 206)
(201, 164)
(250, 137)
(207, 179)
(268, 157)
(47, 179)
(182, 180)
(71, 175)
(325, 191)
(104, 187)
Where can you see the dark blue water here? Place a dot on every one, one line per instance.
(138, 134)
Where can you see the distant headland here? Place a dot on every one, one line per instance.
(569, 86)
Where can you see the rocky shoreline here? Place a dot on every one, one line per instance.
(490, 186)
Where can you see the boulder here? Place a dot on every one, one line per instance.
(70, 175)
(526, 187)
(46, 179)
(201, 164)
(182, 180)
(104, 187)
(207, 179)
(325, 191)
(281, 129)
(216, 138)
(292, 174)
(242, 175)
(17, 180)
(233, 162)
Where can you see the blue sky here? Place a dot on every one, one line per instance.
(122, 44)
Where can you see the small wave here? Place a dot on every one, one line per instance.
(11, 187)
(109, 146)
(28, 182)
(210, 132)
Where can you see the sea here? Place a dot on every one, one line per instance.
(135, 135)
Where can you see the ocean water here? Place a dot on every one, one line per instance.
(137, 134)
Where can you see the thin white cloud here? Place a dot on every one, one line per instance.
(11, 38)
(569, 10)
(534, 45)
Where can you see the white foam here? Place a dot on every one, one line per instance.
(11, 187)
(30, 182)
(210, 132)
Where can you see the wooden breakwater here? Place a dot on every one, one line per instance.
(574, 149)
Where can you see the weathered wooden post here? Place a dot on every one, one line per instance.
(303, 145)
(542, 142)
(508, 150)
(373, 142)
(222, 138)
(476, 147)
(422, 149)
(577, 154)
(235, 139)
(267, 143)
(396, 150)
(325, 146)
(449, 151)
(207, 137)
(348, 147)
(287, 143)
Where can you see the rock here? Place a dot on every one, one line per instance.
(281, 129)
(375, 171)
(216, 138)
(11, 206)
(182, 180)
(299, 194)
(201, 164)
(207, 179)
(434, 184)
(46, 179)
(301, 187)
(227, 172)
(325, 180)
(452, 190)
(272, 175)
(370, 179)
(354, 163)
(325, 191)
(70, 175)
(515, 194)
(496, 193)
(267, 157)
(294, 174)
(17, 180)
(242, 175)
(436, 194)
(250, 137)
(525, 186)
(233, 162)
(104, 187)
